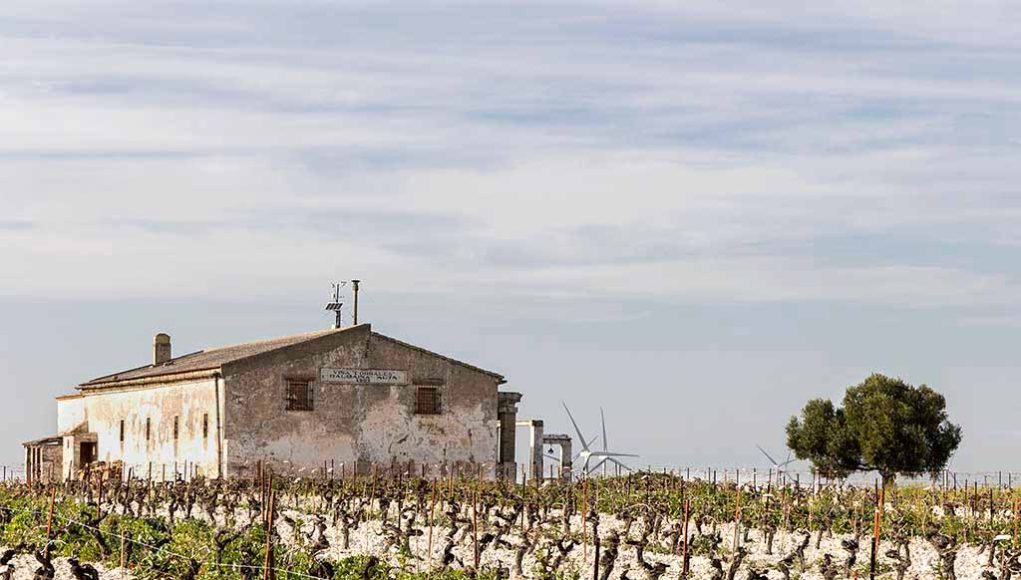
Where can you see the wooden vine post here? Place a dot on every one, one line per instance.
(685, 560)
(124, 554)
(1015, 520)
(786, 507)
(524, 510)
(991, 505)
(797, 501)
(876, 524)
(370, 485)
(372, 489)
(432, 513)
(263, 499)
(737, 516)
(475, 525)
(584, 512)
(49, 518)
(267, 572)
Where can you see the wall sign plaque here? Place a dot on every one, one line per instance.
(364, 376)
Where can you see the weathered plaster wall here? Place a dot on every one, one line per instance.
(355, 424)
(467, 429)
(188, 401)
(70, 413)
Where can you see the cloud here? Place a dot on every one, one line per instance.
(16, 225)
(689, 153)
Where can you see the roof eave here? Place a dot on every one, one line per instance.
(157, 379)
(500, 378)
(51, 440)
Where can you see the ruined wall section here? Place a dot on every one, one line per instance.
(192, 403)
(354, 425)
(43, 461)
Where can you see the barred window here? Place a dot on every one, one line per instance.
(122, 431)
(299, 395)
(427, 401)
(205, 425)
(148, 428)
(177, 429)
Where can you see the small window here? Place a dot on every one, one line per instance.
(148, 428)
(176, 427)
(299, 395)
(427, 401)
(205, 425)
(122, 431)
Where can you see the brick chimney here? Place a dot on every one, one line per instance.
(160, 349)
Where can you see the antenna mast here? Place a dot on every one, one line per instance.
(336, 305)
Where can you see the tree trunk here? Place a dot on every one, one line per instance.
(888, 479)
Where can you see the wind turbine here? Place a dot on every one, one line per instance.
(587, 454)
(781, 468)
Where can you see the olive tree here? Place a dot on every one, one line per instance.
(884, 425)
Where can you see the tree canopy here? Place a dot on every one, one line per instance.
(884, 425)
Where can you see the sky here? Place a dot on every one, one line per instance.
(696, 215)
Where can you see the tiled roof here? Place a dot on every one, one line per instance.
(51, 440)
(210, 359)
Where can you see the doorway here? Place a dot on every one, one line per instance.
(89, 452)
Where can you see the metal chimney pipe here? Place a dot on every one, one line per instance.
(355, 284)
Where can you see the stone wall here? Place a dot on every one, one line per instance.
(356, 425)
(43, 462)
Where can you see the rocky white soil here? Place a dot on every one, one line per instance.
(970, 563)
(24, 568)
(368, 539)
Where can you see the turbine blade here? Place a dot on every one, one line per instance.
(581, 437)
(618, 463)
(771, 460)
(595, 467)
(611, 454)
(602, 420)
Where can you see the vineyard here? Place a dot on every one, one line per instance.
(372, 527)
